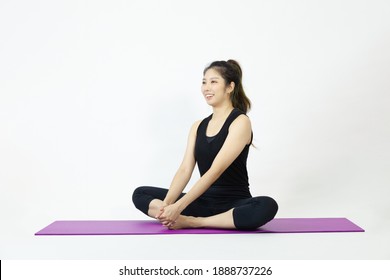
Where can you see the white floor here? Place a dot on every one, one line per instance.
(367, 207)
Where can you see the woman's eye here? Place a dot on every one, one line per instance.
(213, 82)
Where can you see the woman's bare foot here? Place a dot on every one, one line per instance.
(185, 222)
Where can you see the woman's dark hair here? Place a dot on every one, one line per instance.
(231, 72)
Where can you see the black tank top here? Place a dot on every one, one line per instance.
(234, 180)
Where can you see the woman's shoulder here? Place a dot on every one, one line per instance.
(242, 120)
(240, 117)
(242, 126)
(195, 126)
(197, 123)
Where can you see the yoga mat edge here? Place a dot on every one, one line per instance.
(152, 227)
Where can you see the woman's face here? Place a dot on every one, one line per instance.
(214, 88)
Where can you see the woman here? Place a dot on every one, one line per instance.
(219, 144)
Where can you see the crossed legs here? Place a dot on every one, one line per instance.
(244, 214)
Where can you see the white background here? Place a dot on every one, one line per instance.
(97, 98)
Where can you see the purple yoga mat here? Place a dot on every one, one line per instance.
(138, 227)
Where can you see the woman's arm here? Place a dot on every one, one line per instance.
(239, 136)
(183, 174)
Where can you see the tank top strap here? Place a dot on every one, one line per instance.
(203, 126)
(232, 116)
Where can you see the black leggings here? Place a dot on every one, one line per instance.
(249, 213)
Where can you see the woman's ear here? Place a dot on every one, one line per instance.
(231, 87)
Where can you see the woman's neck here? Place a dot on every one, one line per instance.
(222, 112)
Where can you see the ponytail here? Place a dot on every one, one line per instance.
(231, 72)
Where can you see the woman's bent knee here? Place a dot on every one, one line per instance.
(255, 214)
(141, 199)
(142, 196)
